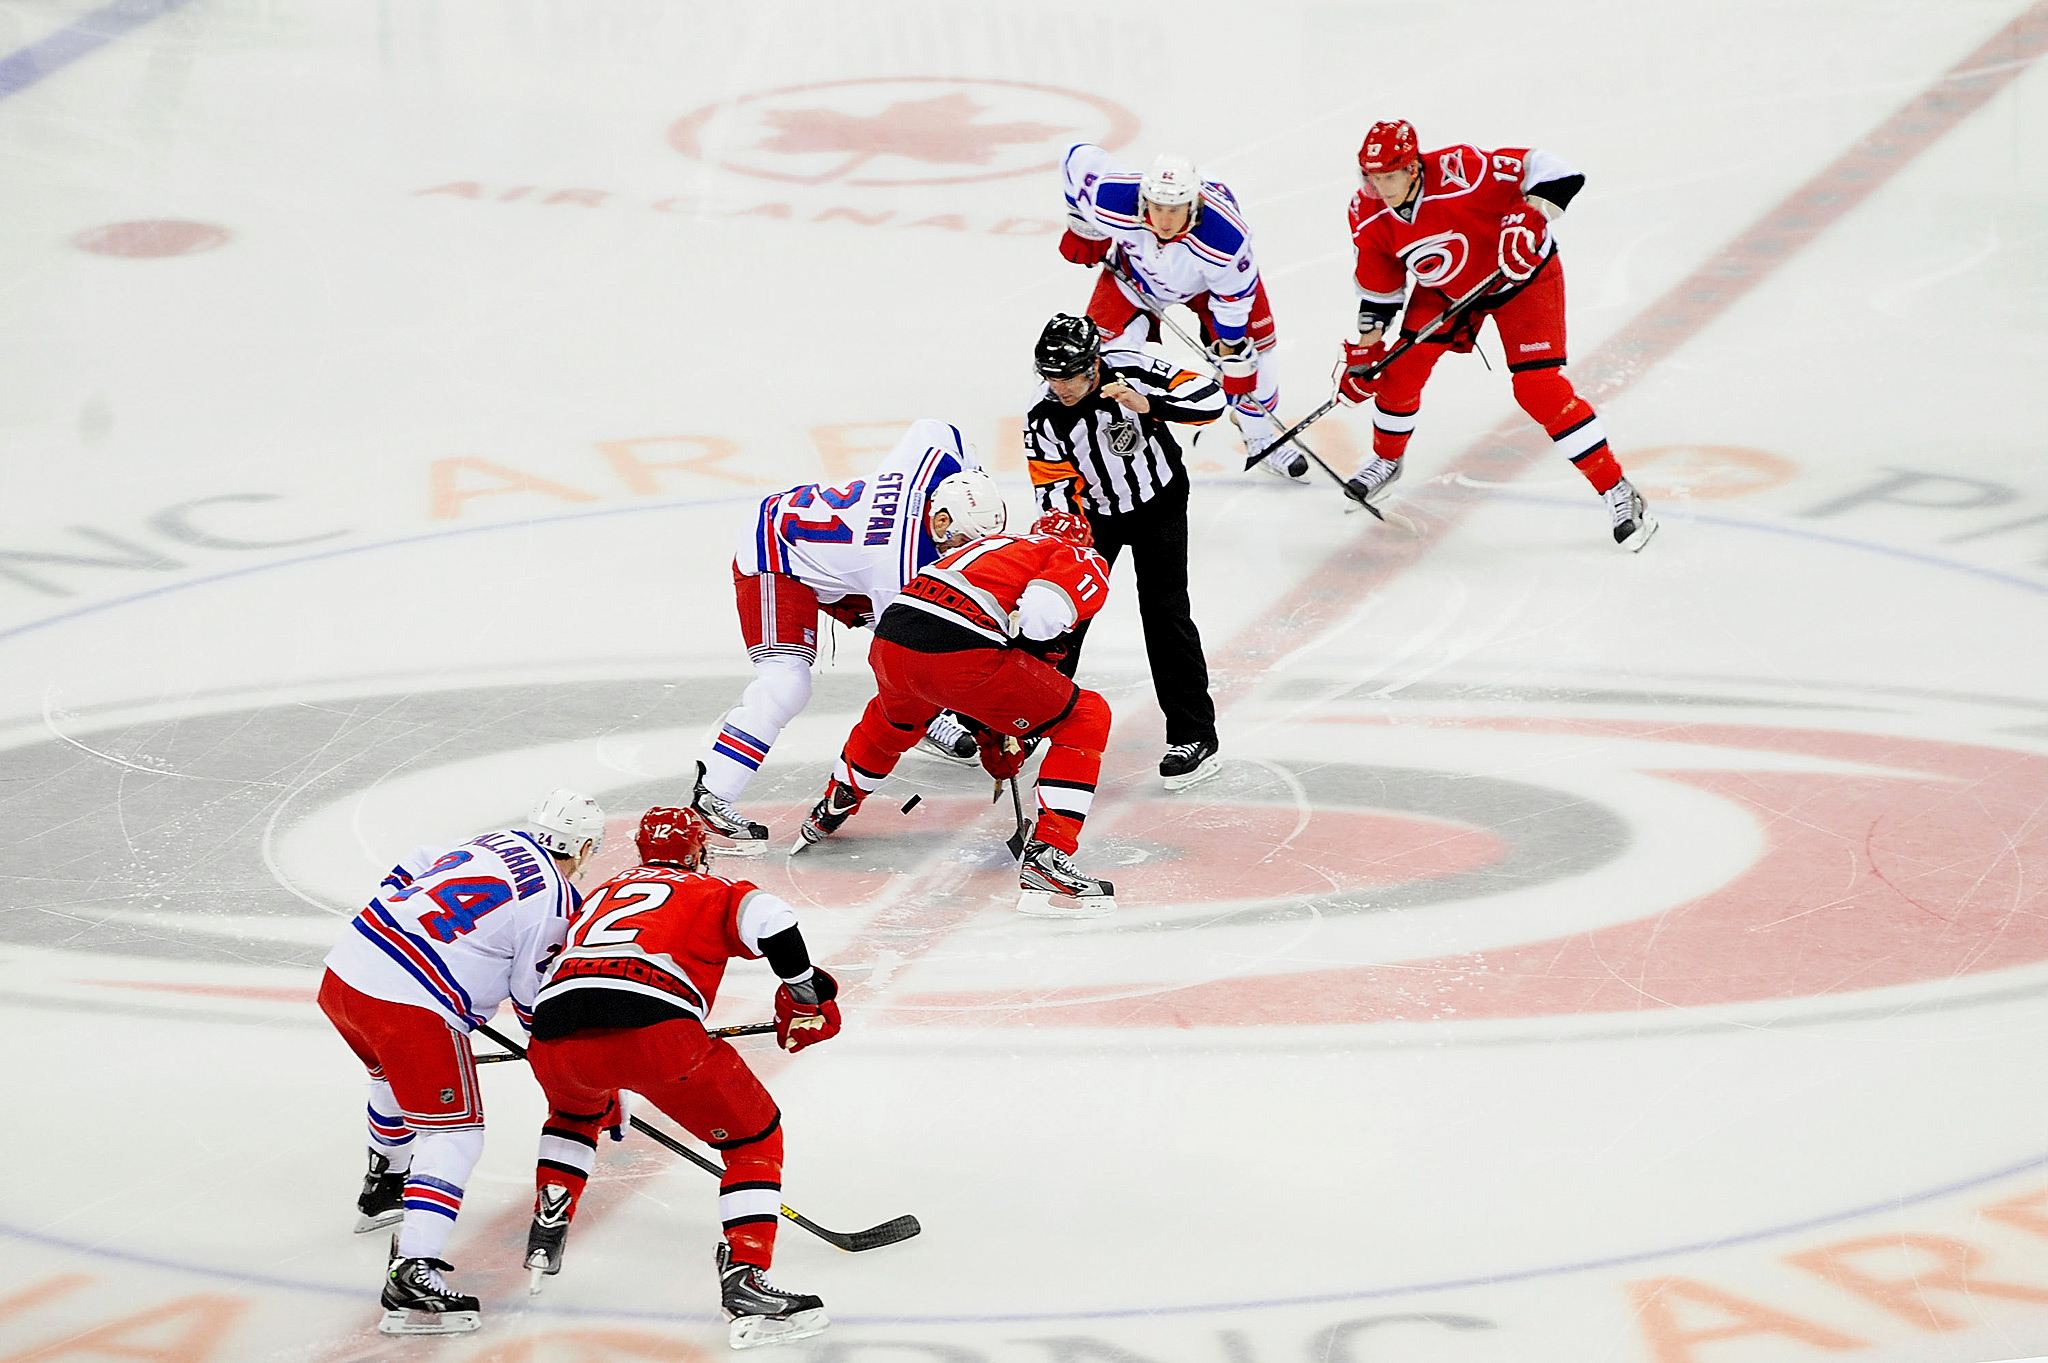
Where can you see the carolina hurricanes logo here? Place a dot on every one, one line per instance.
(905, 130)
(1452, 165)
(1438, 258)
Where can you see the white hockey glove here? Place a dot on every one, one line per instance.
(1240, 365)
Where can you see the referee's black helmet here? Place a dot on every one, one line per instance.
(1068, 346)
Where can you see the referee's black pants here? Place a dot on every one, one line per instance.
(1157, 536)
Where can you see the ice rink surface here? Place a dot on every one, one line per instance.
(1583, 956)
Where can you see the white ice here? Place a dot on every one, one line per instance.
(1583, 956)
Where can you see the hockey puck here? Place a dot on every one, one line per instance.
(911, 803)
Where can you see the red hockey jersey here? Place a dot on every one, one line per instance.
(1449, 238)
(652, 944)
(986, 587)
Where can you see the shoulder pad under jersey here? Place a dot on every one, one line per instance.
(1452, 169)
(1219, 228)
(1116, 200)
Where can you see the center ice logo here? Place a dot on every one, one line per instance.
(911, 130)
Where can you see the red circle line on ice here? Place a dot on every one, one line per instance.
(933, 130)
(151, 239)
(1910, 866)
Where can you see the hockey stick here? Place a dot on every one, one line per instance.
(1292, 433)
(1442, 320)
(1023, 833)
(742, 1029)
(874, 1237)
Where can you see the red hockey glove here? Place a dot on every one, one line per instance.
(1083, 250)
(854, 612)
(1001, 756)
(1352, 385)
(805, 1013)
(1521, 243)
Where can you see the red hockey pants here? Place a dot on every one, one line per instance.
(696, 1079)
(1005, 689)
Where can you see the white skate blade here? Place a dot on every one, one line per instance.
(754, 1332)
(1045, 904)
(380, 1221)
(1645, 528)
(722, 846)
(1211, 765)
(429, 1322)
(537, 1269)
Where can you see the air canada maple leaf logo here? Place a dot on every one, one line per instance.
(899, 131)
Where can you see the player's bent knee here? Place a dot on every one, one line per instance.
(448, 1155)
(781, 687)
(1543, 393)
(1086, 725)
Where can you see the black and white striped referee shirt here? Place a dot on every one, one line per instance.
(1099, 456)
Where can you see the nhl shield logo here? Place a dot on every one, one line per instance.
(903, 130)
(447, 1095)
(1123, 437)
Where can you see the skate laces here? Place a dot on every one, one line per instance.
(426, 1273)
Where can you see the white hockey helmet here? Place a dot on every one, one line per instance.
(1170, 182)
(564, 821)
(974, 502)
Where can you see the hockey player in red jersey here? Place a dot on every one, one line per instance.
(623, 1007)
(962, 637)
(1450, 218)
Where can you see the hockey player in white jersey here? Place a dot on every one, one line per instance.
(450, 935)
(1166, 237)
(846, 551)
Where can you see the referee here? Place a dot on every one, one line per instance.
(1096, 441)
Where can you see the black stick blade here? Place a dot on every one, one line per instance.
(874, 1237)
(888, 1233)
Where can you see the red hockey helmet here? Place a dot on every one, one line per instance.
(673, 837)
(1065, 526)
(1389, 145)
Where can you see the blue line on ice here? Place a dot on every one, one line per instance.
(2039, 588)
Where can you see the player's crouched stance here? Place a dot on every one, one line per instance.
(624, 1008)
(962, 637)
(449, 937)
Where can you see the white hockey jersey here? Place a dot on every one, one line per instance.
(1212, 257)
(461, 930)
(867, 538)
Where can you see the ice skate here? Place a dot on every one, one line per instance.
(1633, 523)
(834, 808)
(749, 839)
(1285, 462)
(418, 1301)
(1371, 482)
(760, 1312)
(383, 1198)
(548, 1236)
(1188, 763)
(1053, 888)
(947, 737)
